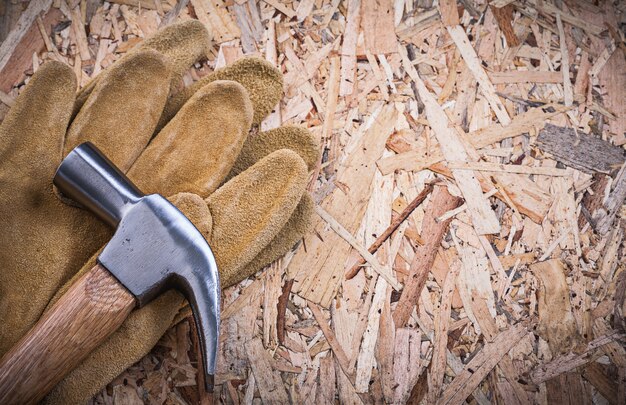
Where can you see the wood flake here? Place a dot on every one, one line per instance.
(377, 26)
(473, 63)
(267, 380)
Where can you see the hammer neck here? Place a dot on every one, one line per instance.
(89, 178)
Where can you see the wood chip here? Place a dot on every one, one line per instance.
(570, 361)
(420, 159)
(496, 167)
(78, 26)
(449, 12)
(556, 320)
(371, 259)
(531, 76)
(214, 15)
(348, 49)
(377, 26)
(440, 336)
(568, 91)
(267, 380)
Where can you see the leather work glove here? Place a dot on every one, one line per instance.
(249, 221)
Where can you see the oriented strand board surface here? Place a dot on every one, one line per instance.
(318, 270)
(514, 109)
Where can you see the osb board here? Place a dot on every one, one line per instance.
(405, 97)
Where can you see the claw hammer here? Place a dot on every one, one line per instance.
(154, 248)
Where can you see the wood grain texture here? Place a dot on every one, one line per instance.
(439, 361)
(378, 27)
(468, 380)
(580, 151)
(21, 57)
(475, 66)
(606, 385)
(449, 12)
(348, 48)
(530, 199)
(504, 18)
(605, 216)
(93, 308)
(8, 46)
(572, 360)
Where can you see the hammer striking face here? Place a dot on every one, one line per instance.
(154, 248)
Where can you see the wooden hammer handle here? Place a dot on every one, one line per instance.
(93, 308)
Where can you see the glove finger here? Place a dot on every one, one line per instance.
(298, 139)
(181, 43)
(122, 111)
(34, 128)
(262, 80)
(252, 208)
(197, 148)
(298, 224)
(137, 335)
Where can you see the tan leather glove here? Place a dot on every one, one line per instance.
(249, 221)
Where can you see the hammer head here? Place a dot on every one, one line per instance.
(154, 248)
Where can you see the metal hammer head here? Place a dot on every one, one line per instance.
(154, 248)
